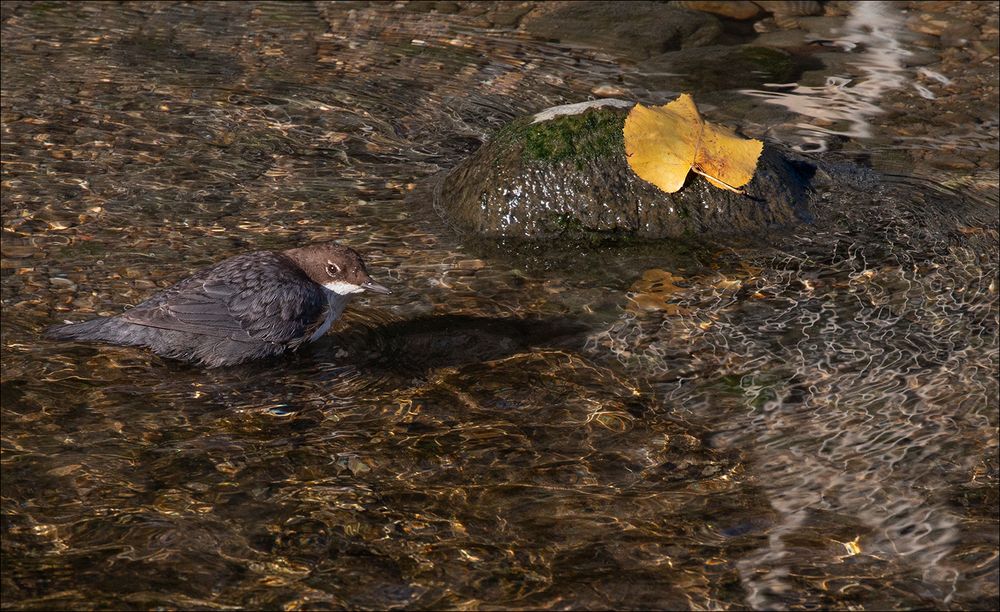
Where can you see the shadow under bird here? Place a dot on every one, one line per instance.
(247, 307)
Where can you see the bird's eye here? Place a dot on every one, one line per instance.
(332, 269)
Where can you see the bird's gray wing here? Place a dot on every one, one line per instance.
(257, 297)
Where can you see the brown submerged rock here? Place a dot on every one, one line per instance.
(633, 30)
(733, 9)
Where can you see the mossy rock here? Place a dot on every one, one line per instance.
(563, 174)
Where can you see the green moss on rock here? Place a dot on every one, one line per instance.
(589, 135)
(592, 134)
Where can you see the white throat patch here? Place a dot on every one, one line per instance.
(342, 288)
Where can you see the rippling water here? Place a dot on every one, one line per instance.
(810, 423)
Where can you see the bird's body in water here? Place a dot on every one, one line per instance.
(246, 307)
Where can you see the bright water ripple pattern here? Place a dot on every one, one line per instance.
(858, 391)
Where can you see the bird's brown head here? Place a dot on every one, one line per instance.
(338, 268)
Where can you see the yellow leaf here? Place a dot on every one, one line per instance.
(666, 142)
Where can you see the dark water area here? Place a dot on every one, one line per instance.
(808, 421)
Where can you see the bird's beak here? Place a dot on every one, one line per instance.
(370, 285)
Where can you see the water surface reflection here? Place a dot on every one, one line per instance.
(807, 423)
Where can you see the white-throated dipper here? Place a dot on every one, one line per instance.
(246, 307)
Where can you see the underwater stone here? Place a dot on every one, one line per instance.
(731, 9)
(632, 30)
(717, 67)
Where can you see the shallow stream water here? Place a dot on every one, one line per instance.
(810, 423)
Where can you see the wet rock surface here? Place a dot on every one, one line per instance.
(560, 180)
(568, 176)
